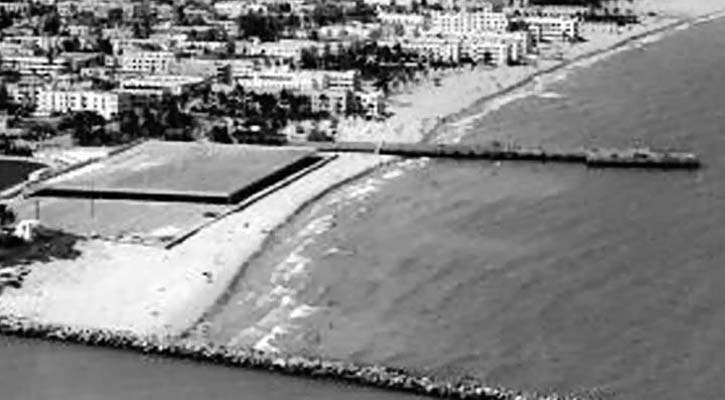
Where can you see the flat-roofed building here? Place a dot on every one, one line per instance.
(35, 65)
(150, 62)
(171, 84)
(27, 90)
(432, 48)
(553, 28)
(231, 9)
(106, 104)
(465, 22)
(286, 48)
(548, 11)
(370, 104)
(274, 81)
(342, 80)
(518, 44)
(333, 102)
(404, 19)
(494, 53)
(15, 7)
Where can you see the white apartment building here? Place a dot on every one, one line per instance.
(27, 90)
(406, 20)
(79, 30)
(485, 51)
(371, 104)
(273, 81)
(285, 48)
(519, 44)
(464, 22)
(15, 7)
(150, 62)
(170, 84)
(34, 65)
(342, 80)
(547, 11)
(66, 8)
(231, 9)
(433, 48)
(330, 101)
(106, 104)
(553, 28)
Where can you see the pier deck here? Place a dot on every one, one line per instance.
(593, 158)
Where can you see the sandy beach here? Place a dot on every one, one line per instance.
(152, 290)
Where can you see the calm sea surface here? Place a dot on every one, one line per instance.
(540, 277)
(526, 275)
(14, 172)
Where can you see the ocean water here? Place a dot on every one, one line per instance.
(535, 276)
(36, 370)
(14, 172)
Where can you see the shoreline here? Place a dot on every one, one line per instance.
(175, 311)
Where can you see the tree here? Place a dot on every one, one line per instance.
(6, 20)
(130, 124)
(82, 124)
(52, 23)
(4, 97)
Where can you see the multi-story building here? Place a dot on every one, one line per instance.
(231, 9)
(548, 11)
(150, 62)
(518, 44)
(106, 104)
(27, 90)
(15, 7)
(370, 104)
(409, 21)
(288, 49)
(433, 48)
(553, 28)
(465, 22)
(333, 102)
(342, 80)
(79, 30)
(35, 65)
(169, 84)
(36, 41)
(67, 9)
(274, 81)
(489, 52)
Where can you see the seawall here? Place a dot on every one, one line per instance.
(375, 376)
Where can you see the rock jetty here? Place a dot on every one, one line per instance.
(367, 375)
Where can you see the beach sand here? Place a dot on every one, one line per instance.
(151, 290)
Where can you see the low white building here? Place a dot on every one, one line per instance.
(150, 62)
(34, 65)
(274, 81)
(231, 9)
(408, 21)
(106, 104)
(170, 84)
(433, 48)
(371, 104)
(465, 22)
(15, 7)
(553, 28)
(485, 51)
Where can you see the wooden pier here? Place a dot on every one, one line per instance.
(592, 157)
